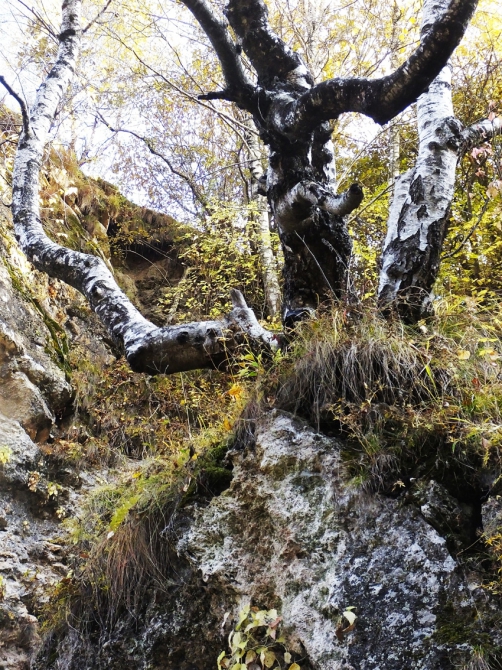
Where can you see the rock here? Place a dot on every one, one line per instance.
(21, 454)
(491, 513)
(453, 520)
(32, 386)
(290, 533)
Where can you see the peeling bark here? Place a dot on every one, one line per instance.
(418, 218)
(147, 348)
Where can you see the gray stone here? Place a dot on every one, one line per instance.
(491, 513)
(291, 533)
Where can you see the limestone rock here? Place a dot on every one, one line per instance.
(291, 534)
(492, 516)
(21, 455)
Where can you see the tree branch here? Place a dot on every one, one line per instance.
(22, 104)
(268, 54)
(238, 85)
(295, 207)
(480, 132)
(148, 143)
(97, 17)
(147, 348)
(382, 99)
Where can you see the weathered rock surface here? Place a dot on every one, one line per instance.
(34, 391)
(291, 534)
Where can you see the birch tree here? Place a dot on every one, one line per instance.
(293, 116)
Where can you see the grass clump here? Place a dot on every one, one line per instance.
(408, 402)
(123, 542)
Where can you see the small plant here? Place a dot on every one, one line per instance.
(5, 455)
(256, 644)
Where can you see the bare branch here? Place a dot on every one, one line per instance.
(148, 143)
(294, 209)
(239, 86)
(99, 15)
(147, 348)
(271, 58)
(481, 132)
(50, 30)
(22, 104)
(382, 99)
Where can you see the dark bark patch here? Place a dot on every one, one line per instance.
(417, 190)
(422, 212)
(182, 338)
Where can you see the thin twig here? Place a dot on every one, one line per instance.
(377, 197)
(153, 151)
(97, 17)
(50, 29)
(22, 104)
(471, 232)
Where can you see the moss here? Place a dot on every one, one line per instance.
(212, 475)
(456, 627)
(60, 349)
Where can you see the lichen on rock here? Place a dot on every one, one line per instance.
(291, 533)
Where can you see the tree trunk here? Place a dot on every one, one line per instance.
(292, 115)
(419, 213)
(147, 348)
(268, 262)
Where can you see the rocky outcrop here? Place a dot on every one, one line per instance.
(37, 318)
(291, 534)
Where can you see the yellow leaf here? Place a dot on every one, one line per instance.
(269, 659)
(294, 666)
(236, 391)
(250, 656)
(463, 354)
(350, 616)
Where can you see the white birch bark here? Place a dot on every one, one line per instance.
(418, 219)
(147, 348)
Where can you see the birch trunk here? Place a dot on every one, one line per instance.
(268, 262)
(418, 216)
(147, 348)
(420, 209)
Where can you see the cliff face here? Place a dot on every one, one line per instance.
(33, 392)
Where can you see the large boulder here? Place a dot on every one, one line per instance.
(290, 532)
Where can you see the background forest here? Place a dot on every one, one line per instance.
(165, 188)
